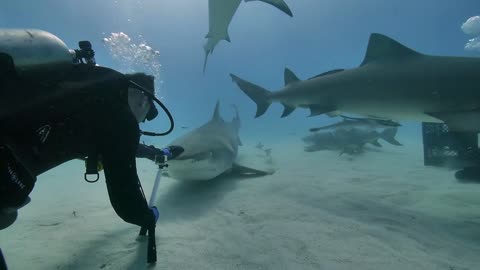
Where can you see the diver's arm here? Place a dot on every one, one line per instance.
(147, 151)
(158, 155)
(118, 148)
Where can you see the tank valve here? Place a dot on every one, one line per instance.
(85, 55)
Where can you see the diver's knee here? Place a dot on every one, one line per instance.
(7, 218)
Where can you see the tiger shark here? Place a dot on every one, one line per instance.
(350, 141)
(393, 82)
(220, 13)
(210, 150)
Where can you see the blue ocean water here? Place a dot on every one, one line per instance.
(322, 35)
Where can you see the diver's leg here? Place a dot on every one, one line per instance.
(3, 264)
(7, 67)
(15, 185)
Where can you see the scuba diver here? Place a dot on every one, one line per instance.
(60, 106)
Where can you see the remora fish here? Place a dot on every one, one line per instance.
(393, 82)
(351, 122)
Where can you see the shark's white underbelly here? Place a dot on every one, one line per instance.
(201, 170)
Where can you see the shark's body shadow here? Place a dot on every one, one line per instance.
(193, 199)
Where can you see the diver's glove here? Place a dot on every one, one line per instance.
(155, 213)
(173, 151)
(167, 153)
(158, 155)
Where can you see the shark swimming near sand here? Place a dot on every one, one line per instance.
(351, 140)
(220, 14)
(210, 150)
(393, 82)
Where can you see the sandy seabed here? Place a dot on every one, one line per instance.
(381, 210)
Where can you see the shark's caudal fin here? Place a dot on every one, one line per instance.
(208, 48)
(280, 4)
(382, 47)
(205, 61)
(389, 136)
(257, 93)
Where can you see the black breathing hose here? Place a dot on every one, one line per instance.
(164, 108)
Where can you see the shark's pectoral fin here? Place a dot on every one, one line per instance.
(319, 109)
(389, 136)
(243, 170)
(461, 121)
(376, 143)
(280, 4)
(287, 110)
(334, 113)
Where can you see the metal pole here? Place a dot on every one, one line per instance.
(153, 196)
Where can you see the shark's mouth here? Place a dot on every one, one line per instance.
(197, 156)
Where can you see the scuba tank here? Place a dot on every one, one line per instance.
(36, 54)
(37, 70)
(32, 63)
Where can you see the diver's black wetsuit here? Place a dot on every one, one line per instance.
(86, 113)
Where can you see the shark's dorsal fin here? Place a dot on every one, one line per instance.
(383, 47)
(290, 77)
(216, 113)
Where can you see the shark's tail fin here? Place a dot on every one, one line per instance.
(257, 93)
(208, 48)
(280, 4)
(389, 136)
(205, 62)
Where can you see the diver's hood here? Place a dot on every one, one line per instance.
(147, 82)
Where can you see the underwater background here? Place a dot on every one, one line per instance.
(432, 222)
(322, 35)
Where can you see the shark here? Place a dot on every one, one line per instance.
(211, 150)
(351, 141)
(220, 14)
(393, 82)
